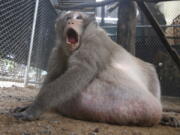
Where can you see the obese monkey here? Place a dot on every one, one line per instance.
(90, 77)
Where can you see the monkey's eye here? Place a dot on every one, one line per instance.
(79, 17)
(68, 18)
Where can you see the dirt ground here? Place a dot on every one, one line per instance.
(55, 124)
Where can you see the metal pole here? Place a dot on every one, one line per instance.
(31, 43)
(102, 15)
(126, 25)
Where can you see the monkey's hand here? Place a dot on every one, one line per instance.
(19, 109)
(23, 113)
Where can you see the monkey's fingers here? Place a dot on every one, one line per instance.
(19, 109)
(170, 121)
(24, 116)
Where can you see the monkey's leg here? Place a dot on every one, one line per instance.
(56, 65)
(169, 121)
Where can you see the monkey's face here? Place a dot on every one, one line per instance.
(72, 25)
(73, 30)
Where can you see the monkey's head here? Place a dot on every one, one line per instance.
(70, 27)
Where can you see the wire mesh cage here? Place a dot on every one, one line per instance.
(44, 39)
(16, 21)
(16, 27)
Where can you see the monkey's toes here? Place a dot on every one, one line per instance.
(170, 121)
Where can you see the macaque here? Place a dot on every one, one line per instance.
(90, 77)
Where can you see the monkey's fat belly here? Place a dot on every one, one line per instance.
(114, 101)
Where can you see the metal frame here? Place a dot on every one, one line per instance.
(99, 4)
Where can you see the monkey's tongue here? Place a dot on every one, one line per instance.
(72, 40)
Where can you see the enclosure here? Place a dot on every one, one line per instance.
(27, 36)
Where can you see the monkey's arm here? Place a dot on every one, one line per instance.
(56, 67)
(79, 74)
(75, 79)
(56, 64)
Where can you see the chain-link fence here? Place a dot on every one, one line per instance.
(16, 22)
(16, 19)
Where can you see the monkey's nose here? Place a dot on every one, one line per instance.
(70, 22)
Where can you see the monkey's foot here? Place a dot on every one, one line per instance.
(170, 121)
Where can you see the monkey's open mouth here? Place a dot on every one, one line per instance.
(72, 37)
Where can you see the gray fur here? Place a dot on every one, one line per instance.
(99, 81)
